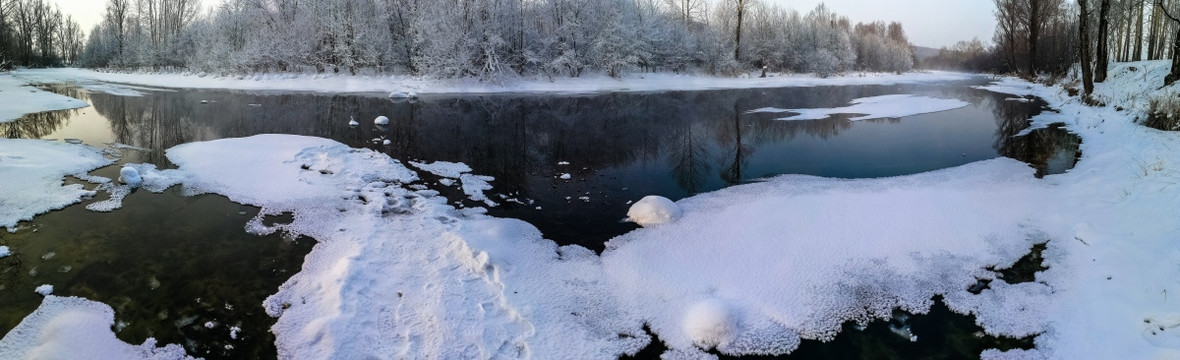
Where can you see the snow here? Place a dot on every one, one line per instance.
(398, 272)
(4, 252)
(352, 122)
(76, 328)
(875, 107)
(564, 176)
(44, 289)
(128, 175)
(381, 120)
(710, 323)
(33, 172)
(653, 210)
(405, 87)
(443, 168)
(20, 99)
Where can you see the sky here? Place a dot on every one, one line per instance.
(932, 23)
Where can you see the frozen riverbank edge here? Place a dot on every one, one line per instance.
(406, 275)
(406, 85)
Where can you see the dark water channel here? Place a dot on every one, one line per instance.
(170, 263)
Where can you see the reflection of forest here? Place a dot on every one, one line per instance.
(701, 134)
(39, 125)
(1037, 147)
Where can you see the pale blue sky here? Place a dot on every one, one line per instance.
(932, 23)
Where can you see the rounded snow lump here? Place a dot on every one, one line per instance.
(352, 122)
(128, 175)
(653, 210)
(381, 120)
(709, 323)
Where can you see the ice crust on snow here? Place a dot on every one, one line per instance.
(875, 107)
(33, 172)
(76, 328)
(20, 99)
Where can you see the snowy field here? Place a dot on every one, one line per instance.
(399, 273)
(400, 86)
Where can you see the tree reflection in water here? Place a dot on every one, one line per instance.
(620, 146)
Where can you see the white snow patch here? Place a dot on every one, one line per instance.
(381, 120)
(564, 176)
(443, 168)
(44, 289)
(33, 172)
(875, 107)
(76, 328)
(20, 99)
(653, 210)
(4, 251)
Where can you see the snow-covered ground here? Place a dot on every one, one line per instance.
(749, 269)
(334, 83)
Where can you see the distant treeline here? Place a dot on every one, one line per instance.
(36, 33)
(489, 39)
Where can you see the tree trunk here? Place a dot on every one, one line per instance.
(1101, 53)
(1138, 56)
(1175, 73)
(1084, 46)
(737, 48)
(1034, 26)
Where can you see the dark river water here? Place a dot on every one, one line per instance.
(171, 264)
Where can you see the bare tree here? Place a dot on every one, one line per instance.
(1102, 53)
(1084, 48)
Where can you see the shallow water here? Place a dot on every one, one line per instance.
(620, 147)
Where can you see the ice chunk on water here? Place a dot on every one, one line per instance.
(653, 210)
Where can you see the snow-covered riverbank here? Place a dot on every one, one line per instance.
(749, 269)
(404, 85)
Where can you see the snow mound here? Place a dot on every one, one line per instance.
(709, 323)
(876, 107)
(653, 210)
(33, 172)
(128, 175)
(381, 120)
(44, 289)
(76, 328)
